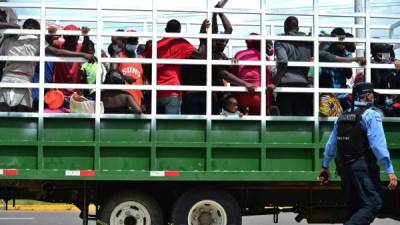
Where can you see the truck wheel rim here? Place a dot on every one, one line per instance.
(207, 212)
(130, 213)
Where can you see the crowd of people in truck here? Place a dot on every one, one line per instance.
(188, 102)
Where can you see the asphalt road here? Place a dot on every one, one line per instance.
(71, 218)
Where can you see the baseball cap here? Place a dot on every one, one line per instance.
(71, 27)
(362, 88)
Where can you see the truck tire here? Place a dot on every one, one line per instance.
(201, 206)
(130, 208)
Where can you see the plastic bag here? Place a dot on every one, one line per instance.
(329, 105)
(80, 104)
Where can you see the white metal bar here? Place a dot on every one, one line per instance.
(388, 91)
(392, 27)
(126, 8)
(382, 27)
(263, 66)
(242, 23)
(73, 33)
(346, 40)
(125, 20)
(383, 66)
(19, 114)
(19, 31)
(214, 10)
(388, 41)
(37, 59)
(127, 34)
(164, 21)
(352, 15)
(183, 88)
(19, 5)
(181, 61)
(340, 65)
(385, 16)
(20, 58)
(316, 70)
(70, 6)
(291, 118)
(98, 55)
(154, 71)
(237, 11)
(42, 61)
(277, 13)
(209, 82)
(368, 42)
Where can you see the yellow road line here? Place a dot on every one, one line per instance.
(62, 207)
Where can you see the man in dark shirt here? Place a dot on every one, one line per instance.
(292, 104)
(337, 52)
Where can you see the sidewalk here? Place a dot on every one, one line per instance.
(44, 207)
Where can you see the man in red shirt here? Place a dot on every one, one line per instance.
(169, 102)
(68, 72)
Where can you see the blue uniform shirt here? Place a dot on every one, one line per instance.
(371, 123)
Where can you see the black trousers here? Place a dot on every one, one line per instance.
(19, 108)
(194, 103)
(295, 104)
(362, 189)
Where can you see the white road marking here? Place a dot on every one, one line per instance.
(17, 218)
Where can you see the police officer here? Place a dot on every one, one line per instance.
(357, 142)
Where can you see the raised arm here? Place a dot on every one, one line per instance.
(203, 42)
(326, 56)
(86, 44)
(226, 23)
(214, 24)
(66, 53)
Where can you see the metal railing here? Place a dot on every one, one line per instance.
(263, 11)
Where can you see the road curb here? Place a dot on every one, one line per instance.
(54, 208)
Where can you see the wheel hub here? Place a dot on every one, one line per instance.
(130, 220)
(205, 219)
(130, 213)
(207, 212)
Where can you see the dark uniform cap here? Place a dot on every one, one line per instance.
(362, 88)
(381, 48)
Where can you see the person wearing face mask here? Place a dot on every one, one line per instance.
(383, 78)
(117, 45)
(132, 72)
(20, 99)
(356, 143)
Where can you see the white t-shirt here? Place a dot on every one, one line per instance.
(22, 45)
(225, 112)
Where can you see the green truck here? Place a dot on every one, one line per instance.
(189, 171)
(184, 170)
